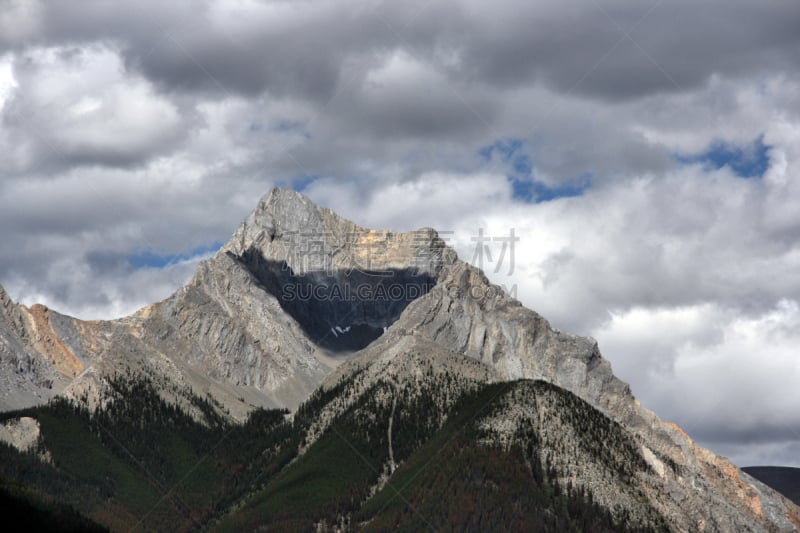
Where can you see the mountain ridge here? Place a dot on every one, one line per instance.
(784, 479)
(228, 334)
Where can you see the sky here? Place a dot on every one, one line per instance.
(644, 153)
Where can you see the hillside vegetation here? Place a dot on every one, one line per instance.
(142, 463)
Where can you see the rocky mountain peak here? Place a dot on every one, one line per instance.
(10, 312)
(5, 301)
(287, 226)
(344, 284)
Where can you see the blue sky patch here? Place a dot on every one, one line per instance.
(511, 151)
(531, 191)
(298, 183)
(290, 126)
(525, 188)
(749, 161)
(148, 259)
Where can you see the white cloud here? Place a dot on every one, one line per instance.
(79, 106)
(19, 19)
(7, 81)
(723, 377)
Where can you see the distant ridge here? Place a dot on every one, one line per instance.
(784, 479)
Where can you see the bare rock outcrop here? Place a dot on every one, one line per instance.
(27, 376)
(21, 433)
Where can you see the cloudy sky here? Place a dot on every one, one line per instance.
(645, 154)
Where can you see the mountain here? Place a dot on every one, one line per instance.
(784, 479)
(34, 361)
(419, 395)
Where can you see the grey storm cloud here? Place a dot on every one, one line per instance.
(151, 127)
(305, 49)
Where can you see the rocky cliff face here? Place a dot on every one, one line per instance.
(34, 364)
(301, 297)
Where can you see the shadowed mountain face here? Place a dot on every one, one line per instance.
(340, 310)
(784, 479)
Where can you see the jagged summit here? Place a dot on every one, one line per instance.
(343, 284)
(287, 226)
(34, 363)
(301, 299)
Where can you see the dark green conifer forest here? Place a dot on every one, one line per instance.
(142, 463)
